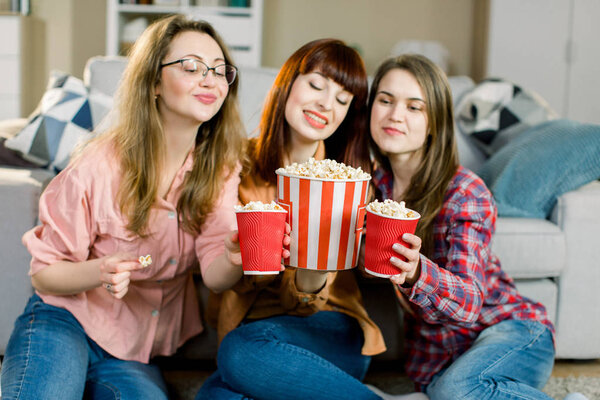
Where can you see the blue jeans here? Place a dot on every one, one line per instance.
(49, 356)
(510, 360)
(289, 357)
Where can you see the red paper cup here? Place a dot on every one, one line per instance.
(261, 240)
(382, 232)
(326, 217)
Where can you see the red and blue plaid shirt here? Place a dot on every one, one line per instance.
(462, 289)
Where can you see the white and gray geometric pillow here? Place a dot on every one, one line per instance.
(66, 115)
(496, 111)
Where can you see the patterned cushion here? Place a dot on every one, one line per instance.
(496, 111)
(66, 115)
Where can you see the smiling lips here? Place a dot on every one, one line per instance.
(315, 120)
(392, 131)
(206, 98)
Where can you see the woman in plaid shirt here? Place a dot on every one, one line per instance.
(470, 334)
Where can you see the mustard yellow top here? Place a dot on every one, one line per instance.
(262, 296)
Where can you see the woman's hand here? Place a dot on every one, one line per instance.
(411, 268)
(286, 242)
(226, 270)
(234, 254)
(232, 249)
(115, 273)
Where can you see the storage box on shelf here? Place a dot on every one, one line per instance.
(238, 22)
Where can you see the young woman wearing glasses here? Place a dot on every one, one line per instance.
(301, 334)
(161, 182)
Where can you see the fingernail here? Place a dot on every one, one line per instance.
(396, 246)
(394, 259)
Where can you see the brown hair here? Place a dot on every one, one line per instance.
(348, 143)
(138, 136)
(440, 156)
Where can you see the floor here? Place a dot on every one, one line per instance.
(565, 368)
(186, 381)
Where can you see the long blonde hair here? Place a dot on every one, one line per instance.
(440, 155)
(139, 141)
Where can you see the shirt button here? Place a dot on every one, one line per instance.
(171, 214)
(154, 313)
(304, 299)
(172, 261)
(159, 281)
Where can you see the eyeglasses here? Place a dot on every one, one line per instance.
(193, 66)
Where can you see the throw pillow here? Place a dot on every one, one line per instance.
(496, 111)
(528, 174)
(66, 115)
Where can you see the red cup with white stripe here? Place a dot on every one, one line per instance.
(382, 232)
(326, 217)
(261, 240)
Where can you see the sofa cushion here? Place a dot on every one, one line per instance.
(103, 73)
(543, 291)
(528, 174)
(67, 114)
(496, 111)
(529, 247)
(255, 83)
(20, 190)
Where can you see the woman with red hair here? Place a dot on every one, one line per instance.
(301, 334)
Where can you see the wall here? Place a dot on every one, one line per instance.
(67, 33)
(71, 31)
(374, 25)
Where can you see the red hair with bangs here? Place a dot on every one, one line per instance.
(349, 143)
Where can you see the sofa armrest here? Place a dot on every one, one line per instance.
(10, 127)
(577, 213)
(20, 189)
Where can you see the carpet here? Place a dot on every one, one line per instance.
(185, 384)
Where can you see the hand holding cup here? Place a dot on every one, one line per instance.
(387, 222)
(262, 235)
(407, 260)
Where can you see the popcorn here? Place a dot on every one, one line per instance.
(391, 208)
(145, 260)
(259, 206)
(327, 169)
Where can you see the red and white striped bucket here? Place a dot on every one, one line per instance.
(326, 217)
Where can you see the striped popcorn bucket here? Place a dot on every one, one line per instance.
(326, 217)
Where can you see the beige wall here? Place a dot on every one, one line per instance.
(68, 32)
(373, 25)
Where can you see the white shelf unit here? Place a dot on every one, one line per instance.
(240, 27)
(15, 59)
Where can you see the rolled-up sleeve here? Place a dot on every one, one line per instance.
(65, 231)
(219, 223)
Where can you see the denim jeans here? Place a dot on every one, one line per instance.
(289, 357)
(510, 360)
(49, 356)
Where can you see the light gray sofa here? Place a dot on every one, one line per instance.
(553, 261)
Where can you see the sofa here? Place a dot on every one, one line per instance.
(554, 260)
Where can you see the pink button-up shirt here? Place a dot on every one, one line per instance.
(80, 220)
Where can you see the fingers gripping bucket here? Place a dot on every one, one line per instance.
(326, 217)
